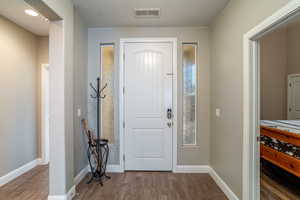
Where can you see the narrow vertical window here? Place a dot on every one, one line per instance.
(189, 58)
(107, 104)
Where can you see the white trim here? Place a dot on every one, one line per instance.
(196, 45)
(250, 96)
(114, 169)
(80, 176)
(45, 140)
(113, 81)
(192, 169)
(121, 85)
(222, 185)
(18, 172)
(69, 196)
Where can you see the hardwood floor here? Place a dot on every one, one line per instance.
(32, 185)
(127, 186)
(277, 184)
(152, 186)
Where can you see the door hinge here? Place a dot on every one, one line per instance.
(124, 56)
(123, 124)
(123, 157)
(123, 90)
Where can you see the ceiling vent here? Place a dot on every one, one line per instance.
(147, 12)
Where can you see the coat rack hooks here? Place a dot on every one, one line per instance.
(98, 93)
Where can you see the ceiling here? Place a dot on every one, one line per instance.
(113, 13)
(14, 11)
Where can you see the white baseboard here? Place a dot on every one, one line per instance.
(69, 196)
(78, 178)
(114, 169)
(42, 162)
(18, 172)
(191, 169)
(223, 186)
(72, 192)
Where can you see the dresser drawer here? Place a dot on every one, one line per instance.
(281, 160)
(288, 162)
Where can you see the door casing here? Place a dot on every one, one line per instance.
(123, 41)
(251, 95)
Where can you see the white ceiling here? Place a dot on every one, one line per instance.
(112, 13)
(14, 11)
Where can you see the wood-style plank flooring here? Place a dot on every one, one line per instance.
(152, 186)
(127, 186)
(277, 184)
(32, 185)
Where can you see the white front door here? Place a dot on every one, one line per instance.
(147, 100)
(294, 97)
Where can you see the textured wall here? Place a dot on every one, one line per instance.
(228, 29)
(80, 91)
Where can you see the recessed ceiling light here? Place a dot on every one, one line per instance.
(31, 12)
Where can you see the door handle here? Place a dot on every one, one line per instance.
(169, 113)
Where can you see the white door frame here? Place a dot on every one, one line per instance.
(251, 187)
(123, 41)
(45, 145)
(290, 76)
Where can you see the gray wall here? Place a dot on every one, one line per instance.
(279, 58)
(190, 156)
(293, 48)
(226, 81)
(80, 91)
(273, 75)
(18, 102)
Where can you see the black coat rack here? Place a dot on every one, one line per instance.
(98, 147)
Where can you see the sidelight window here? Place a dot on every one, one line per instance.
(107, 52)
(189, 58)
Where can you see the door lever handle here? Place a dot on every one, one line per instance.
(169, 113)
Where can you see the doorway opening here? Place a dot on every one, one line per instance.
(25, 103)
(271, 137)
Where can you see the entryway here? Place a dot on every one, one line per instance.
(148, 105)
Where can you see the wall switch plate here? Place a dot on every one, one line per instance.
(218, 112)
(78, 112)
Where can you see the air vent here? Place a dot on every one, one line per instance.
(147, 12)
